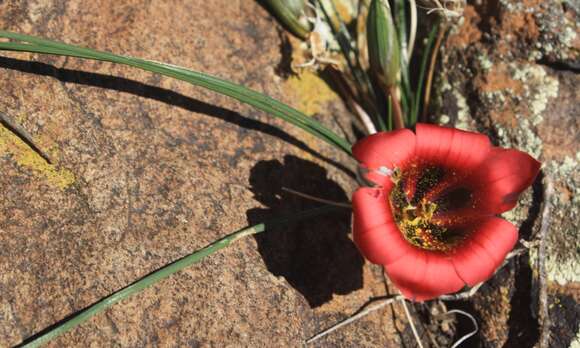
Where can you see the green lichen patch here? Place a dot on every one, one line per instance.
(539, 87)
(563, 259)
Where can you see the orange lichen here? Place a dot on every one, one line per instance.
(523, 26)
(505, 117)
(498, 78)
(468, 32)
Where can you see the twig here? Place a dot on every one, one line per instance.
(429, 81)
(369, 308)
(455, 297)
(317, 199)
(462, 339)
(462, 295)
(543, 235)
(514, 253)
(21, 133)
(410, 319)
(530, 244)
(442, 8)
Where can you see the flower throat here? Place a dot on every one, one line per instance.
(414, 213)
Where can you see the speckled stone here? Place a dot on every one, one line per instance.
(510, 69)
(148, 169)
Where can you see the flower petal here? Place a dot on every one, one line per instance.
(500, 180)
(451, 148)
(478, 258)
(383, 244)
(408, 273)
(371, 208)
(385, 149)
(433, 142)
(374, 230)
(424, 275)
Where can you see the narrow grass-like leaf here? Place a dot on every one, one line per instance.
(164, 272)
(245, 95)
(401, 21)
(421, 81)
(407, 97)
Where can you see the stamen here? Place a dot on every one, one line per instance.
(415, 215)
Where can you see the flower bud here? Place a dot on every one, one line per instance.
(382, 43)
(291, 14)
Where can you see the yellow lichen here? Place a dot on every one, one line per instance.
(345, 10)
(311, 92)
(26, 157)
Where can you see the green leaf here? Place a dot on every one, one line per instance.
(245, 95)
(164, 272)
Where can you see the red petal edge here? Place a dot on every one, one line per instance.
(500, 180)
(477, 259)
(450, 147)
(388, 149)
(424, 275)
(374, 230)
(371, 208)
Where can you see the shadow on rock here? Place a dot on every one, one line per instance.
(163, 95)
(316, 256)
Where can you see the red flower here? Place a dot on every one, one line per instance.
(431, 220)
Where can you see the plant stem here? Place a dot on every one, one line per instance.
(422, 71)
(429, 81)
(398, 121)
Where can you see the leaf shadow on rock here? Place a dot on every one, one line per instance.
(163, 95)
(316, 257)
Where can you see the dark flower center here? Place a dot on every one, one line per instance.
(421, 193)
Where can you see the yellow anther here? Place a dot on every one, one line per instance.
(396, 176)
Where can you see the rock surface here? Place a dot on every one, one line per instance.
(148, 169)
(510, 69)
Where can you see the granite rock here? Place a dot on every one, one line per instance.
(510, 69)
(147, 169)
